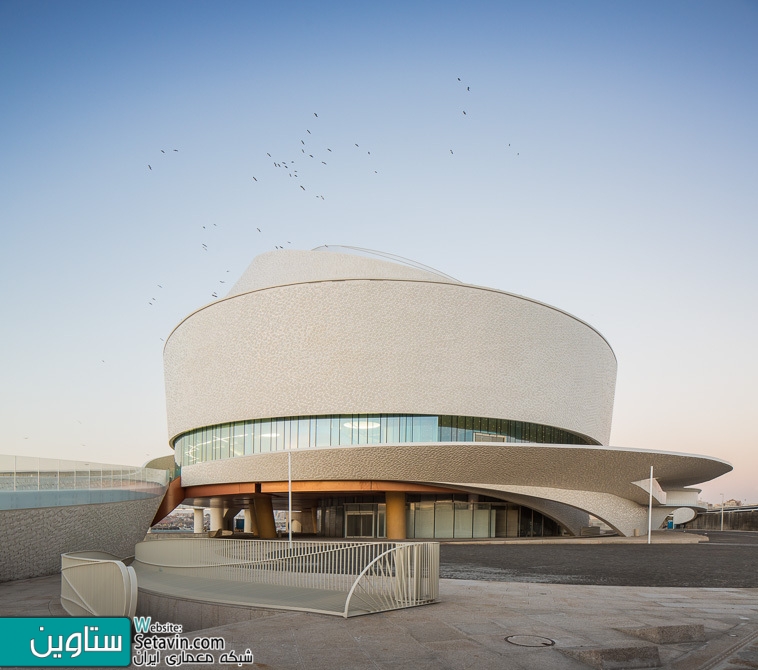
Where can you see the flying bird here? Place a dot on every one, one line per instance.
(176, 149)
(451, 151)
(328, 149)
(259, 230)
(302, 187)
(268, 154)
(356, 145)
(254, 179)
(149, 166)
(314, 114)
(301, 142)
(459, 78)
(464, 112)
(163, 152)
(307, 131)
(468, 88)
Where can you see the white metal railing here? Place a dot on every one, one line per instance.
(367, 576)
(96, 583)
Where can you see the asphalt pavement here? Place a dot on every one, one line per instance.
(728, 559)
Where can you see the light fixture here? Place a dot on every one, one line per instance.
(361, 425)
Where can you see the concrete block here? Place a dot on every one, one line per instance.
(613, 658)
(694, 632)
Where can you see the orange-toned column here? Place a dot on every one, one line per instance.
(264, 515)
(251, 523)
(395, 501)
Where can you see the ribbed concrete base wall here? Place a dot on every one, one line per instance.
(732, 521)
(32, 540)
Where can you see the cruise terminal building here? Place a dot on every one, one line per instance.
(407, 405)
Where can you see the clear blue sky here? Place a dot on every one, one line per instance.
(606, 164)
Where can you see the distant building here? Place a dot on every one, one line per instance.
(412, 405)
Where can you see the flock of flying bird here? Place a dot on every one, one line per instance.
(289, 167)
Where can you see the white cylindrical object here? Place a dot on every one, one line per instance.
(217, 518)
(650, 508)
(199, 526)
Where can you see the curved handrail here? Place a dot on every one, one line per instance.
(262, 561)
(98, 594)
(340, 574)
(363, 572)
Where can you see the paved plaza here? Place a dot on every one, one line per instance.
(486, 624)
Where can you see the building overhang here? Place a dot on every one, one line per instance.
(608, 470)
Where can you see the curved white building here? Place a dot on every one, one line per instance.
(412, 404)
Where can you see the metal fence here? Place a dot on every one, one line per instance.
(367, 576)
(28, 482)
(96, 583)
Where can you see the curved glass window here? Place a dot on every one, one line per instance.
(259, 436)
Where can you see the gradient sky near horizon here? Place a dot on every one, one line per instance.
(605, 164)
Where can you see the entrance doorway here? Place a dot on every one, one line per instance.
(359, 523)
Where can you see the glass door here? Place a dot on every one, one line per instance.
(359, 524)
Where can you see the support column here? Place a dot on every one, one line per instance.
(395, 502)
(251, 524)
(229, 514)
(217, 518)
(264, 515)
(199, 520)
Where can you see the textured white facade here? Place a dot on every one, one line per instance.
(32, 540)
(364, 341)
(315, 334)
